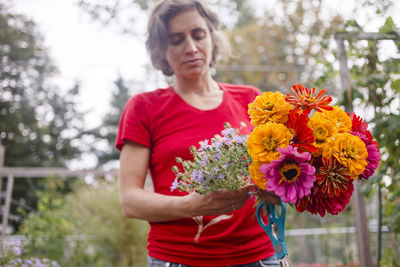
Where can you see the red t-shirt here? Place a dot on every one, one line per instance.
(162, 121)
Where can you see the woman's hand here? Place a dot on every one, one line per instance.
(269, 197)
(219, 202)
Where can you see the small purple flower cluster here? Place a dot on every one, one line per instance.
(14, 257)
(218, 164)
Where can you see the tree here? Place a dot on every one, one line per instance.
(38, 123)
(375, 84)
(107, 131)
(278, 51)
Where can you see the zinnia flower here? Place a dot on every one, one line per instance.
(374, 155)
(265, 139)
(337, 117)
(349, 150)
(290, 177)
(303, 137)
(322, 131)
(269, 107)
(304, 99)
(256, 175)
(319, 203)
(358, 124)
(333, 178)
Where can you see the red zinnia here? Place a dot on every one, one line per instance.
(358, 124)
(320, 203)
(333, 177)
(303, 136)
(304, 99)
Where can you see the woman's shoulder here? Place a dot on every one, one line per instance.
(241, 89)
(150, 97)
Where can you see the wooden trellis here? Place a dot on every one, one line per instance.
(33, 172)
(363, 243)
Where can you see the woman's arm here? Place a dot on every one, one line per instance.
(142, 204)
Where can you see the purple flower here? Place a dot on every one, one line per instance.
(228, 132)
(204, 145)
(17, 251)
(290, 177)
(174, 185)
(198, 175)
(240, 139)
(204, 160)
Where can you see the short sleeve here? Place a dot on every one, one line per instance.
(134, 123)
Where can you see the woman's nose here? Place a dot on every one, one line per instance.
(191, 47)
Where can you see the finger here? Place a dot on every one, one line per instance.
(270, 197)
(248, 188)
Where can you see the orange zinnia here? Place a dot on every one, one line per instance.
(304, 99)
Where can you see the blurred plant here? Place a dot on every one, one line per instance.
(15, 258)
(86, 228)
(375, 88)
(39, 122)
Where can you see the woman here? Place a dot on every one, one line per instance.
(217, 229)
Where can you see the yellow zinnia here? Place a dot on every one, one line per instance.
(257, 176)
(349, 150)
(338, 117)
(264, 140)
(322, 130)
(269, 107)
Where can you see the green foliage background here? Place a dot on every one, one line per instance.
(85, 227)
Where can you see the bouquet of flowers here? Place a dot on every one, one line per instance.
(304, 150)
(218, 164)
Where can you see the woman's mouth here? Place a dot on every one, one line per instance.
(192, 62)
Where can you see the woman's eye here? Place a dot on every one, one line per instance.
(198, 34)
(175, 39)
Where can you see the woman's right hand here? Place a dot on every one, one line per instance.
(218, 202)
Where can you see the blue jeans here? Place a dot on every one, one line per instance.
(268, 262)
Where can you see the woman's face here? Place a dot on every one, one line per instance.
(190, 45)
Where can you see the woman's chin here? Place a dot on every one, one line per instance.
(194, 73)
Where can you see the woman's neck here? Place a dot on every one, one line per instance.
(202, 94)
(202, 87)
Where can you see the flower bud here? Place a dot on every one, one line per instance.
(193, 149)
(175, 169)
(179, 160)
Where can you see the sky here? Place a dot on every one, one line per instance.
(85, 51)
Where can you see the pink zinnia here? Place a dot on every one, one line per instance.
(374, 155)
(290, 177)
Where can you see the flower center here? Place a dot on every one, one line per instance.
(306, 98)
(270, 143)
(349, 153)
(268, 106)
(320, 134)
(289, 172)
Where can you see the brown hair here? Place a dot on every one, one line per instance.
(161, 14)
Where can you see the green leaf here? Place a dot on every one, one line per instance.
(388, 27)
(395, 85)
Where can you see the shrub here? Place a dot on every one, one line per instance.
(85, 228)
